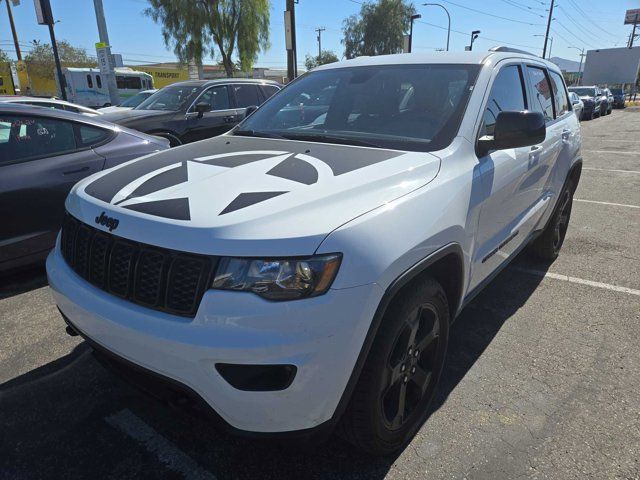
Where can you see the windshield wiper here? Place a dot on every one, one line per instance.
(312, 137)
(256, 133)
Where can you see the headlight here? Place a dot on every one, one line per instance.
(278, 279)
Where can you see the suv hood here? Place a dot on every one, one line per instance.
(246, 196)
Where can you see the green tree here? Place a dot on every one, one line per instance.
(40, 59)
(378, 29)
(228, 28)
(4, 58)
(327, 56)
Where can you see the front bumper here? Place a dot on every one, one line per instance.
(321, 336)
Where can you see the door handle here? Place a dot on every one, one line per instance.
(229, 118)
(79, 170)
(566, 134)
(534, 155)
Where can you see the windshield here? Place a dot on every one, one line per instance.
(405, 107)
(616, 91)
(172, 98)
(136, 100)
(585, 92)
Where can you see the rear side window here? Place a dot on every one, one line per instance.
(507, 94)
(89, 135)
(559, 94)
(246, 95)
(98, 81)
(269, 90)
(217, 97)
(89, 81)
(25, 137)
(542, 100)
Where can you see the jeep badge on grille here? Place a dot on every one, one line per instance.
(109, 222)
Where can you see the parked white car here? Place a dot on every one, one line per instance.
(578, 105)
(297, 274)
(50, 103)
(130, 102)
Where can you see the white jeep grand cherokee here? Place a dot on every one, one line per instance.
(302, 271)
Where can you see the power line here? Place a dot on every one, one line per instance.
(528, 10)
(492, 15)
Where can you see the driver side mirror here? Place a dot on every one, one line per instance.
(514, 130)
(202, 107)
(250, 110)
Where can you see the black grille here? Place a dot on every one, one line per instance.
(154, 277)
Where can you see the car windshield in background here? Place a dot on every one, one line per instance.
(584, 92)
(405, 107)
(136, 100)
(172, 98)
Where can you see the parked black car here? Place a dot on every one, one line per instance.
(594, 102)
(43, 153)
(618, 98)
(189, 111)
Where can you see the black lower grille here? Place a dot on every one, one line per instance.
(154, 277)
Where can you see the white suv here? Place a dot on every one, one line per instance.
(302, 270)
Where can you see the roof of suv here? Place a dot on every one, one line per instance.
(202, 83)
(478, 57)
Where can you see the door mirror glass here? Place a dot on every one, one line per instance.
(514, 130)
(202, 107)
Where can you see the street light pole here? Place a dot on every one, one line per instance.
(581, 50)
(413, 17)
(474, 35)
(448, 17)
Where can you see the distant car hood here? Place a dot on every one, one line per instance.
(123, 117)
(114, 109)
(248, 196)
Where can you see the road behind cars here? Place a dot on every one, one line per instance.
(541, 379)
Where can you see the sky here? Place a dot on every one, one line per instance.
(517, 23)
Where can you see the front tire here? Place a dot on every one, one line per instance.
(398, 381)
(547, 246)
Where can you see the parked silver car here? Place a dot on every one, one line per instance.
(43, 153)
(51, 102)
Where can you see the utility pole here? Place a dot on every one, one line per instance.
(582, 55)
(105, 61)
(319, 30)
(546, 35)
(13, 31)
(290, 39)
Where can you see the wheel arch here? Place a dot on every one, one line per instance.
(445, 265)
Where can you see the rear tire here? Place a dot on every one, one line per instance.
(398, 381)
(547, 246)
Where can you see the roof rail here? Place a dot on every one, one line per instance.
(511, 50)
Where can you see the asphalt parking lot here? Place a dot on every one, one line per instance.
(542, 378)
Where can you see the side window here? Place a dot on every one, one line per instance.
(134, 83)
(121, 82)
(89, 81)
(98, 81)
(246, 95)
(507, 94)
(217, 97)
(542, 100)
(89, 135)
(269, 90)
(559, 94)
(34, 137)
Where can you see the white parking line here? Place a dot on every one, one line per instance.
(609, 170)
(623, 152)
(580, 281)
(174, 458)
(606, 203)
